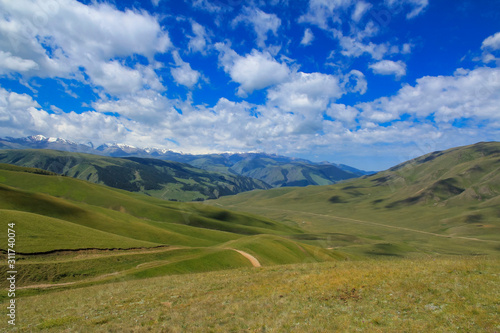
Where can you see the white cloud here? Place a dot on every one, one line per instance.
(13, 64)
(116, 78)
(183, 73)
(492, 42)
(62, 37)
(343, 113)
(360, 10)
(306, 93)
(145, 107)
(355, 81)
(467, 94)
(308, 37)
(389, 67)
(262, 23)
(352, 47)
(198, 42)
(21, 116)
(254, 71)
(155, 2)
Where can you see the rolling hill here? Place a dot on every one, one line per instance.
(77, 232)
(162, 179)
(443, 202)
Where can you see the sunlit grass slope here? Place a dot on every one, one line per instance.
(456, 294)
(75, 232)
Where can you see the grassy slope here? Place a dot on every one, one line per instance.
(51, 213)
(162, 179)
(440, 295)
(434, 204)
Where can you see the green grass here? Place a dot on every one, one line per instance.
(457, 294)
(140, 206)
(272, 250)
(58, 215)
(37, 233)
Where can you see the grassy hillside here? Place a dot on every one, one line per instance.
(162, 179)
(444, 202)
(76, 232)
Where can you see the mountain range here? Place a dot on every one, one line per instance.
(154, 177)
(275, 170)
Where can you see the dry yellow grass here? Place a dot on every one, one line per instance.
(456, 294)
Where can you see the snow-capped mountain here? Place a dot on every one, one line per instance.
(42, 142)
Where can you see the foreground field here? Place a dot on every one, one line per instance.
(452, 294)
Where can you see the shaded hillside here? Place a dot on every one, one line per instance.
(277, 171)
(162, 179)
(291, 174)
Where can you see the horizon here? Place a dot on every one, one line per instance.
(369, 84)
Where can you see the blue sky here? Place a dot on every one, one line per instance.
(365, 83)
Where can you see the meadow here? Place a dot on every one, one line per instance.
(446, 294)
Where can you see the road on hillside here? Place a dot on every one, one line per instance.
(380, 225)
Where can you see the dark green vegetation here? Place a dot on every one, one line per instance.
(162, 179)
(73, 231)
(441, 203)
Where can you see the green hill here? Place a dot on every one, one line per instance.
(443, 202)
(77, 232)
(162, 179)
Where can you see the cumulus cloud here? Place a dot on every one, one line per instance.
(389, 67)
(254, 71)
(492, 42)
(352, 47)
(467, 94)
(60, 38)
(13, 64)
(262, 23)
(20, 116)
(344, 113)
(306, 93)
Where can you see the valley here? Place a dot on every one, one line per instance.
(397, 249)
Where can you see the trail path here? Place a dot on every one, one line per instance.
(250, 257)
